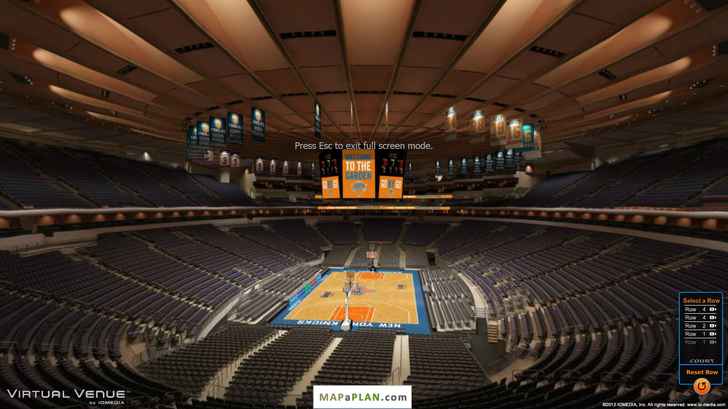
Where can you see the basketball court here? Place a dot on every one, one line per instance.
(388, 299)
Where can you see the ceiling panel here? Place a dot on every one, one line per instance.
(425, 52)
(458, 82)
(370, 78)
(283, 81)
(433, 105)
(314, 52)
(626, 12)
(374, 29)
(287, 16)
(493, 87)
(244, 85)
(325, 78)
(416, 79)
(528, 64)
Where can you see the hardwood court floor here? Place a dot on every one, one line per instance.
(385, 297)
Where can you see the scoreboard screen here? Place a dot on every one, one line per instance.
(391, 166)
(329, 166)
(390, 187)
(359, 174)
(362, 173)
(330, 187)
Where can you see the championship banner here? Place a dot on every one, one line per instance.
(498, 131)
(194, 151)
(217, 132)
(192, 135)
(257, 124)
(515, 139)
(531, 142)
(203, 133)
(359, 174)
(317, 120)
(234, 128)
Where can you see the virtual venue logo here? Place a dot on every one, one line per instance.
(90, 397)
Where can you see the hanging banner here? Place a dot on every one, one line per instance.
(498, 130)
(217, 132)
(514, 134)
(257, 125)
(317, 120)
(193, 151)
(234, 128)
(531, 142)
(203, 133)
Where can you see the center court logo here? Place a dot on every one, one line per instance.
(362, 396)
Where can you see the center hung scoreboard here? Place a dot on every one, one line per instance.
(362, 174)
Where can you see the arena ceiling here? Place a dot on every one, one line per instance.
(116, 74)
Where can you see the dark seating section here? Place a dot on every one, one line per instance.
(192, 367)
(361, 358)
(83, 176)
(381, 230)
(228, 193)
(86, 284)
(594, 311)
(134, 258)
(180, 243)
(268, 238)
(547, 194)
(676, 178)
(449, 300)
(297, 231)
(27, 188)
(33, 176)
(50, 345)
(264, 301)
(339, 232)
(262, 259)
(423, 234)
(265, 377)
(590, 307)
(441, 365)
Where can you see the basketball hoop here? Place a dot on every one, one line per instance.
(348, 287)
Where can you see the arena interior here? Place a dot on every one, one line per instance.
(210, 204)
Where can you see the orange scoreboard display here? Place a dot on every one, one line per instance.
(390, 167)
(329, 166)
(330, 187)
(358, 173)
(390, 187)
